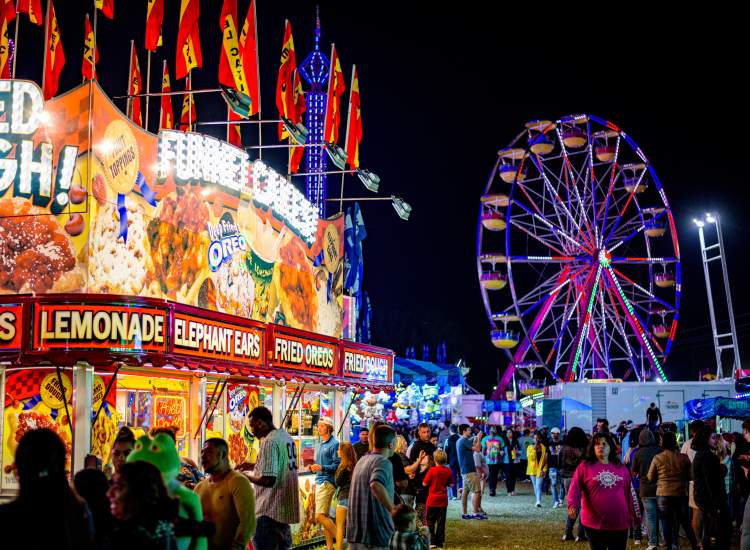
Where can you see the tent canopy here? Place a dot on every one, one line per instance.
(407, 371)
(700, 409)
(569, 404)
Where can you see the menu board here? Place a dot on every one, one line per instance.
(178, 216)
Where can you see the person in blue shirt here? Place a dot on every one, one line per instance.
(326, 463)
(465, 448)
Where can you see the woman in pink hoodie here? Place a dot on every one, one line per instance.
(601, 487)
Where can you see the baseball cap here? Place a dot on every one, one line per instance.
(325, 420)
(555, 430)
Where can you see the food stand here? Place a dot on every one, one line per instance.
(161, 281)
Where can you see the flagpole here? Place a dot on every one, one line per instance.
(257, 78)
(129, 104)
(161, 110)
(190, 101)
(346, 140)
(15, 42)
(46, 46)
(148, 85)
(228, 125)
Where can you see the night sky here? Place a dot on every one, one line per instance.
(442, 89)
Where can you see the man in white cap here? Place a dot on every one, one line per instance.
(553, 461)
(326, 463)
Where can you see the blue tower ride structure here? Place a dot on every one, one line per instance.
(314, 70)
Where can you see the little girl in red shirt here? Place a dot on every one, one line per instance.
(437, 480)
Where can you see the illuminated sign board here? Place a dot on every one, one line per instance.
(298, 353)
(365, 364)
(30, 172)
(203, 337)
(10, 324)
(79, 326)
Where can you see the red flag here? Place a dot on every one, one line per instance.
(154, 20)
(7, 14)
(189, 114)
(336, 87)
(249, 57)
(166, 118)
(234, 132)
(136, 86)
(230, 63)
(107, 7)
(354, 125)
(188, 39)
(284, 83)
(55, 55)
(300, 106)
(90, 53)
(34, 10)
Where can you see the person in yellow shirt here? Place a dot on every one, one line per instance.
(227, 498)
(536, 467)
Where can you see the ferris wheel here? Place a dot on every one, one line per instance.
(577, 254)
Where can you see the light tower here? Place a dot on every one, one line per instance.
(314, 70)
(726, 341)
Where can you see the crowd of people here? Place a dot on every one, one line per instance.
(391, 489)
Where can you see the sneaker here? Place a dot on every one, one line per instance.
(652, 547)
(567, 537)
(637, 542)
(480, 516)
(467, 516)
(538, 504)
(582, 539)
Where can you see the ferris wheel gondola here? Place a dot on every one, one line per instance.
(587, 253)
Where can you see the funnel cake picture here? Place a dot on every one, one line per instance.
(36, 254)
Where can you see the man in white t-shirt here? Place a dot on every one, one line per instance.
(275, 476)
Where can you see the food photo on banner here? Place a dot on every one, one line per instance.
(178, 216)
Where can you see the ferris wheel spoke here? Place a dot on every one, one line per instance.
(643, 291)
(590, 296)
(625, 237)
(636, 324)
(623, 345)
(530, 231)
(570, 173)
(559, 233)
(612, 179)
(624, 209)
(558, 200)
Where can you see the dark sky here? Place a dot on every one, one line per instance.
(443, 88)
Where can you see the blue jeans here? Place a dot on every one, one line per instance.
(536, 482)
(272, 535)
(651, 510)
(558, 492)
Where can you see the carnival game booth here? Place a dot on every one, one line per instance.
(425, 391)
(162, 280)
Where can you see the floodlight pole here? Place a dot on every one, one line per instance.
(720, 340)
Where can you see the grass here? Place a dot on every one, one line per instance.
(514, 524)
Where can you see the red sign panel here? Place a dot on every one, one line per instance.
(10, 326)
(81, 326)
(367, 364)
(199, 336)
(299, 353)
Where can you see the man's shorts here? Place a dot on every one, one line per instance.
(471, 482)
(323, 497)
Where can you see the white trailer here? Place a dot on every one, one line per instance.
(617, 401)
